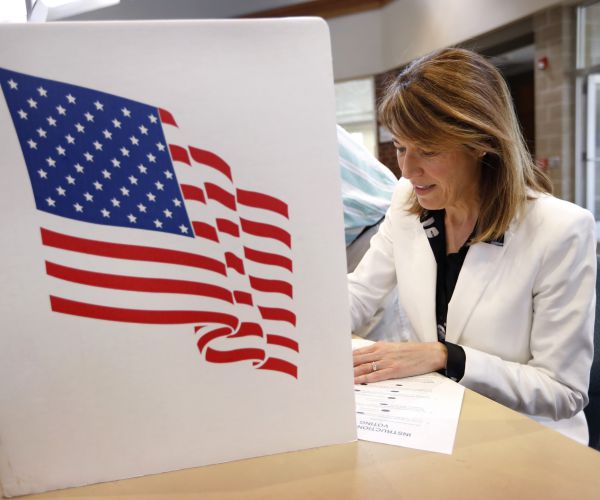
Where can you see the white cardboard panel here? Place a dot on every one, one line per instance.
(85, 400)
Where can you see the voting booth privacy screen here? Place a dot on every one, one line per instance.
(172, 260)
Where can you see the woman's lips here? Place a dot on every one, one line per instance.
(423, 188)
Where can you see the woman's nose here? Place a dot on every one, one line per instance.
(409, 166)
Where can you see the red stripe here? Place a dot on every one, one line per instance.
(210, 336)
(166, 117)
(193, 193)
(214, 356)
(179, 154)
(277, 314)
(260, 200)
(234, 262)
(85, 310)
(248, 329)
(279, 365)
(270, 259)
(204, 230)
(212, 160)
(217, 193)
(229, 227)
(130, 252)
(271, 286)
(242, 298)
(137, 284)
(266, 231)
(282, 341)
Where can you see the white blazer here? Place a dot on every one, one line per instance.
(523, 312)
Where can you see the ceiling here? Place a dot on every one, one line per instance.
(211, 9)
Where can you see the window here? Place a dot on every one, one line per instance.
(588, 109)
(355, 110)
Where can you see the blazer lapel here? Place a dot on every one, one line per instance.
(477, 270)
(417, 270)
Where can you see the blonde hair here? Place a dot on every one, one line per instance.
(454, 97)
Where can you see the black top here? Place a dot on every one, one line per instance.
(448, 269)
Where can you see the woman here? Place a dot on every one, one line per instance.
(496, 276)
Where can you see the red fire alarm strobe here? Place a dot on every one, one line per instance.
(542, 63)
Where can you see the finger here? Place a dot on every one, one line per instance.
(360, 358)
(363, 369)
(377, 376)
(366, 349)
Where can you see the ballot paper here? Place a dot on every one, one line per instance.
(419, 412)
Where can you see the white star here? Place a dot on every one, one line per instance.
(61, 191)
(134, 140)
(60, 150)
(132, 218)
(88, 156)
(116, 163)
(51, 121)
(88, 197)
(70, 179)
(177, 202)
(107, 134)
(183, 229)
(124, 191)
(98, 146)
(71, 99)
(105, 213)
(99, 106)
(61, 111)
(42, 91)
(116, 123)
(50, 202)
(153, 118)
(98, 186)
(89, 116)
(80, 128)
(22, 114)
(77, 207)
(160, 146)
(42, 173)
(41, 132)
(133, 180)
(32, 144)
(141, 207)
(151, 197)
(126, 112)
(142, 168)
(168, 174)
(32, 103)
(106, 174)
(13, 84)
(143, 130)
(115, 202)
(157, 223)
(51, 161)
(159, 185)
(168, 213)
(124, 151)
(70, 139)
(79, 168)
(151, 158)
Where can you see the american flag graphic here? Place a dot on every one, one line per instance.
(137, 226)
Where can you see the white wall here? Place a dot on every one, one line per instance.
(365, 43)
(356, 44)
(380, 40)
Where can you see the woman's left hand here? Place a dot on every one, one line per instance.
(385, 360)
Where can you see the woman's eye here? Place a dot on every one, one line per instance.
(400, 149)
(428, 154)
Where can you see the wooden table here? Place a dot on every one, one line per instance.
(498, 454)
